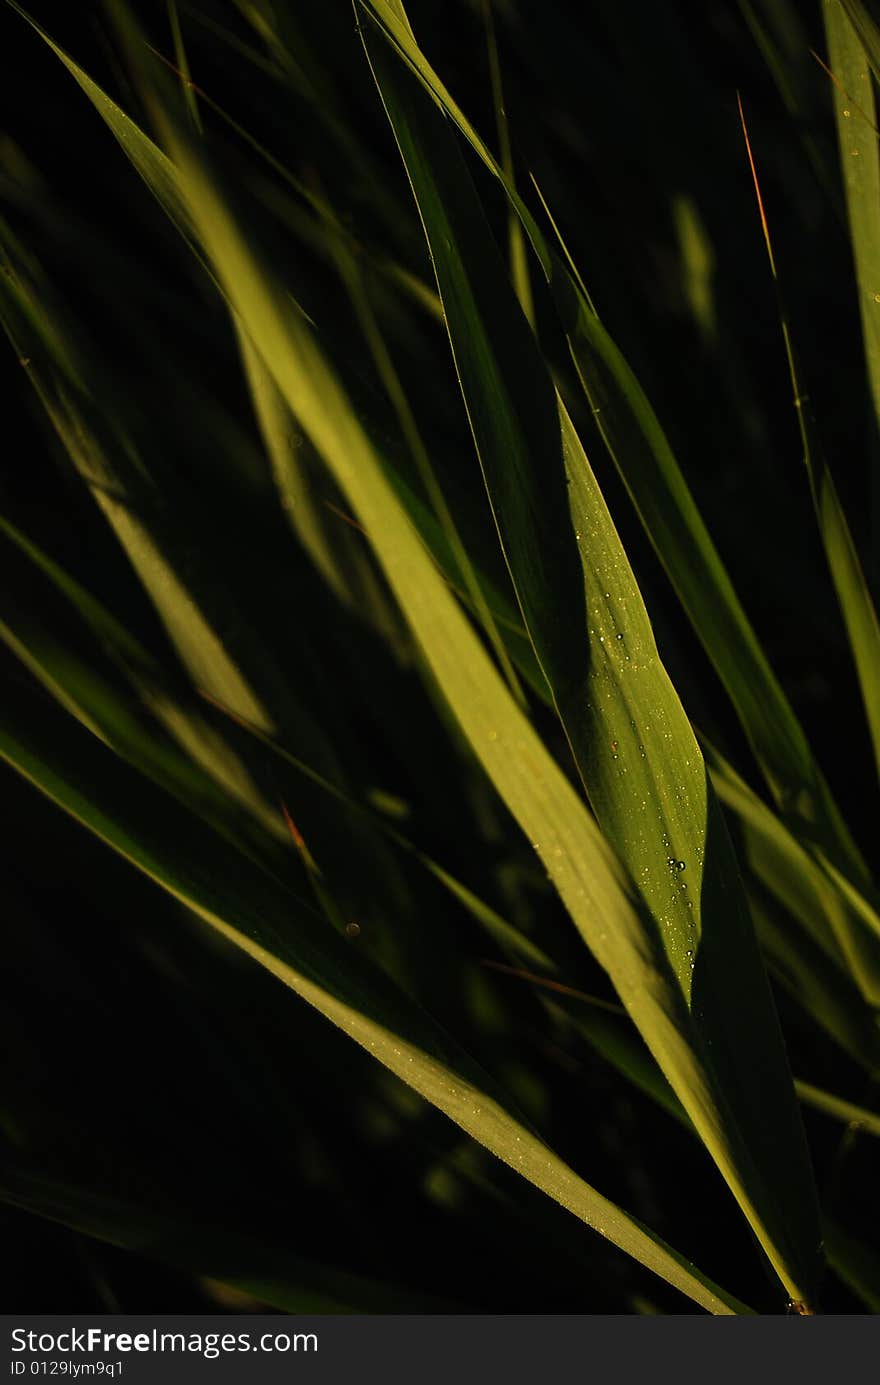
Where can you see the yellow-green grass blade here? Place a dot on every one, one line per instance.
(838, 1109)
(804, 966)
(819, 897)
(202, 770)
(630, 737)
(152, 164)
(411, 432)
(574, 854)
(585, 870)
(159, 173)
(856, 603)
(180, 57)
(867, 29)
(281, 933)
(516, 240)
(854, 1263)
(828, 997)
(115, 482)
(338, 554)
(74, 687)
(783, 44)
(855, 112)
(654, 479)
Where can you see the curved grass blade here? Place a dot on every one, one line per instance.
(630, 737)
(819, 898)
(584, 869)
(637, 444)
(586, 872)
(856, 604)
(338, 554)
(281, 933)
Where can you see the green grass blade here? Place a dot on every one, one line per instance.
(855, 112)
(856, 604)
(653, 477)
(269, 924)
(838, 1109)
(269, 1273)
(338, 554)
(867, 29)
(632, 742)
(516, 240)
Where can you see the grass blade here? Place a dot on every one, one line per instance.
(631, 740)
(639, 447)
(254, 913)
(856, 604)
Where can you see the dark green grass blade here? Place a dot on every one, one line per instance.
(651, 472)
(856, 604)
(630, 737)
(856, 116)
(269, 1273)
(819, 903)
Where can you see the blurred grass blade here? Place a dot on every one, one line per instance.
(180, 57)
(268, 1272)
(838, 1109)
(857, 1266)
(151, 163)
(588, 875)
(630, 737)
(269, 924)
(855, 599)
(827, 996)
(855, 112)
(338, 554)
(817, 896)
(516, 241)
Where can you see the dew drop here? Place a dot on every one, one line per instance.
(847, 114)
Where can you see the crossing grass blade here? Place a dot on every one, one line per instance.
(856, 603)
(651, 472)
(657, 994)
(627, 730)
(280, 932)
(424, 689)
(817, 900)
